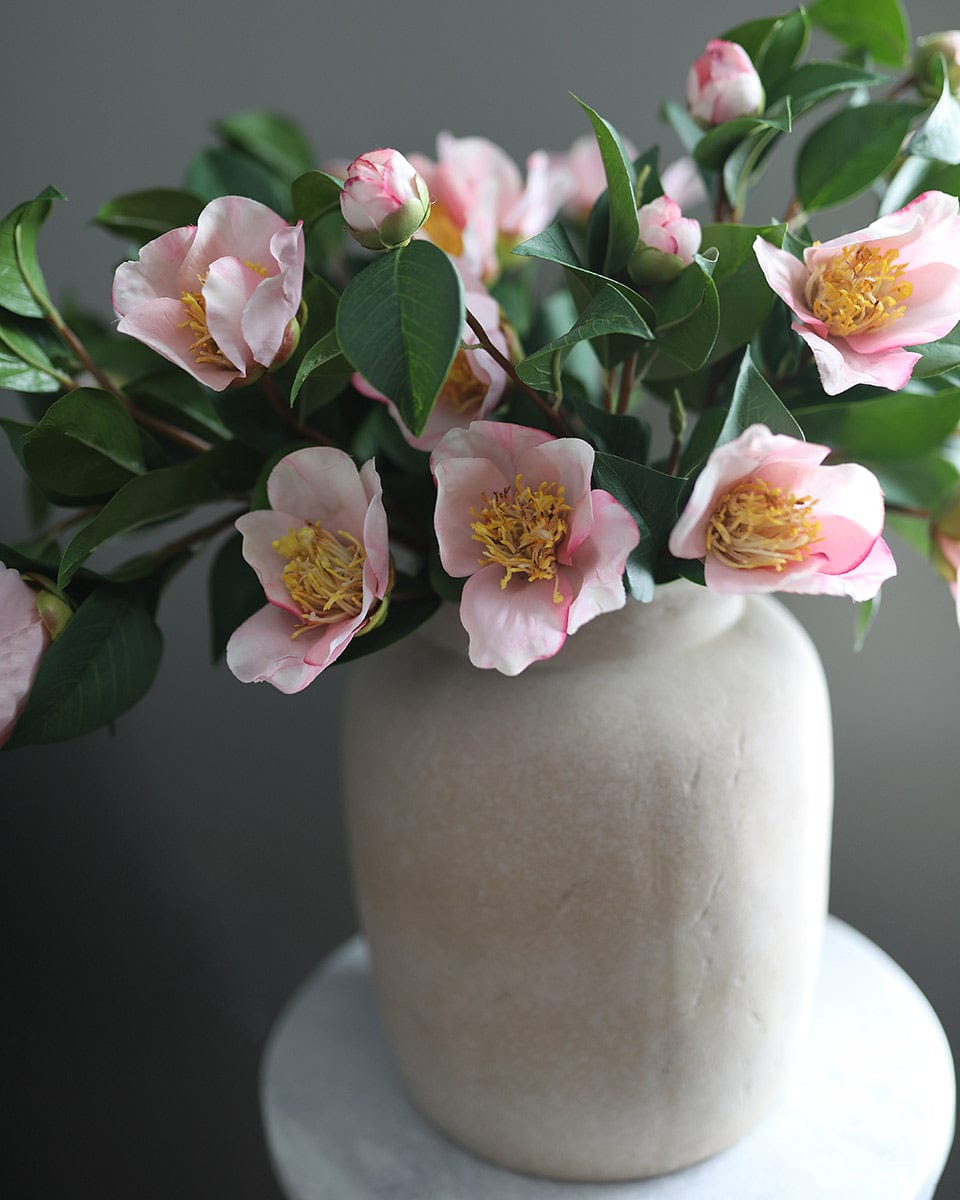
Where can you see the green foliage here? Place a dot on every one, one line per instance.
(22, 289)
(224, 171)
(271, 139)
(773, 43)
(399, 325)
(743, 294)
(143, 216)
(878, 26)
(898, 425)
(622, 229)
(315, 194)
(755, 403)
(100, 666)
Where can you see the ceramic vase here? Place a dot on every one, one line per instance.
(594, 894)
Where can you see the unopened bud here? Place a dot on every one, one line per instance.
(723, 84)
(55, 613)
(384, 200)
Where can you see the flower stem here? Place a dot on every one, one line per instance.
(626, 384)
(287, 415)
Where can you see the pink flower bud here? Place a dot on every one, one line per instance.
(723, 84)
(928, 49)
(384, 200)
(667, 243)
(23, 641)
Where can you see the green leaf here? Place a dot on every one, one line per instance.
(915, 176)
(683, 125)
(100, 666)
(86, 444)
(867, 611)
(19, 376)
(623, 434)
(752, 35)
(745, 298)
(271, 139)
(235, 593)
(894, 426)
(160, 494)
(688, 316)
(623, 229)
(939, 135)
(319, 354)
(715, 146)
(143, 216)
(399, 324)
(609, 312)
(654, 500)
(937, 357)
(920, 482)
(173, 395)
(782, 47)
(22, 289)
(756, 403)
(850, 151)
(878, 26)
(812, 82)
(744, 166)
(222, 171)
(37, 371)
(314, 195)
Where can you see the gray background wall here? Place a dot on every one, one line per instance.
(167, 887)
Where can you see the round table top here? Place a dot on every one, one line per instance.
(867, 1115)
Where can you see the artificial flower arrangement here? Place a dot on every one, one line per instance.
(365, 372)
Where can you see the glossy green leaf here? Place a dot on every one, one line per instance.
(756, 403)
(16, 375)
(937, 357)
(752, 35)
(939, 135)
(143, 216)
(920, 482)
(623, 229)
(782, 47)
(895, 426)
(235, 593)
(609, 312)
(850, 151)
(715, 147)
(744, 166)
(683, 125)
(400, 323)
(915, 176)
(174, 396)
(688, 316)
(314, 195)
(623, 434)
(223, 171)
(878, 26)
(16, 346)
(158, 495)
(22, 289)
(745, 297)
(319, 354)
(812, 82)
(274, 140)
(100, 666)
(86, 444)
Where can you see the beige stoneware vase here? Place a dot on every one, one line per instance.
(594, 894)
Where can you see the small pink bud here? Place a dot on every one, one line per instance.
(928, 48)
(667, 242)
(384, 200)
(722, 84)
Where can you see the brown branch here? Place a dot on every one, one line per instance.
(626, 384)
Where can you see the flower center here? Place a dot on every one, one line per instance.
(858, 291)
(521, 532)
(204, 349)
(324, 574)
(442, 231)
(462, 390)
(756, 525)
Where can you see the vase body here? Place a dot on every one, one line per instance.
(594, 894)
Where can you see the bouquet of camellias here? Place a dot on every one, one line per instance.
(371, 388)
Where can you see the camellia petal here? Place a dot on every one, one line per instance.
(23, 642)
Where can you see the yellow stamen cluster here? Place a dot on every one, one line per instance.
(442, 231)
(324, 574)
(859, 290)
(462, 390)
(204, 349)
(520, 530)
(756, 525)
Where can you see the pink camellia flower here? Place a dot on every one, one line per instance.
(474, 384)
(481, 206)
(683, 182)
(23, 641)
(765, 516)
(218, 298)
(544, 554)
(859, 299)
(384, 200)
(321, 554)
(722, 84)
(667, 243)
(580, 175)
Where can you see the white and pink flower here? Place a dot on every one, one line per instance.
(723, 84)
(543, 552)
(861, 298)
(683, 182)
(475, 382)
(23, 641)
(580, 175)
(322, 556)
(218, 298)
(667, 241)
(481, 205)
(766, 516)
(384, 200)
